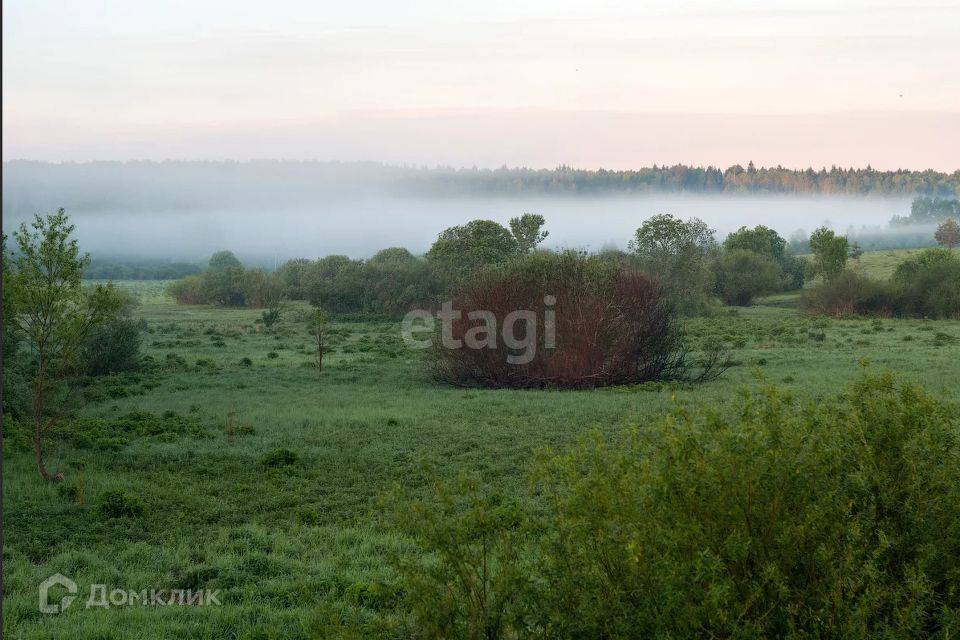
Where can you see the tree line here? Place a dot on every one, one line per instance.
(684, 256)
(696, 179)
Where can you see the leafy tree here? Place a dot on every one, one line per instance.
(15, 388)
(830, 252)
(465, 248)
(948, 234)
(395, 288)
(291, 275)
(744, 275)
(760, 240)
(666, 237)
(223, 260)
(677, 252)
(55, 316)
(767, 242)
(336, 283)
(224, 286)
(261, 289)
(528, 231)
(392, 257)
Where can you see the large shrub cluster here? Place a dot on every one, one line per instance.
(776, 516)
(227, 283)
(391, 282)
(586, 321)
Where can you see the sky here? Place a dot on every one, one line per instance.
(520, 83)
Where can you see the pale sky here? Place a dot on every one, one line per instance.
(520, 82)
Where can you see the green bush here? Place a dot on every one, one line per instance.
(850, 292)
(776, 516)
(928, 284)
(743, 275)
(117, 503)
(279, 458)
(188, 290)
(373, 595)
(780, 517)
(767, 242)
(468, 580)
(114, 347)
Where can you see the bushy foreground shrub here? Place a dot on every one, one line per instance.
(774, 517)
(562, 320)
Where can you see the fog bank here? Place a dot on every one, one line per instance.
(358, 226)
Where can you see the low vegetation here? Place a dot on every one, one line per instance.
(778, 516)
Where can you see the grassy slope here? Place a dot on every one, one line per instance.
(285, 547)
(882, 264)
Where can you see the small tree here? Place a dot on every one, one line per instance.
(948, 234)
(55, 317)
(224, 259)
(528, 231)
(830, 252)
(319, 323)
(271, 315)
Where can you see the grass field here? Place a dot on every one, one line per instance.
(290, 547)
(882, 264)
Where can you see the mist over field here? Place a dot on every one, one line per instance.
(360, 226)
(271, 212)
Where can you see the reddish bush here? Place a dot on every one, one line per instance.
(564, 320)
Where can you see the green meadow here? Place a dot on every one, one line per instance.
(200, 438)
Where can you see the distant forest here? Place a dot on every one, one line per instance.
(683, 178)
(144, 185)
